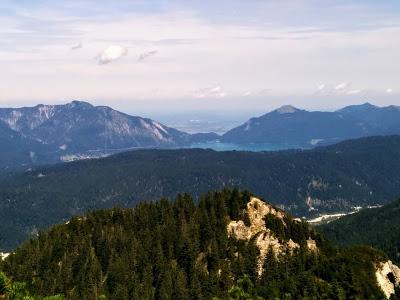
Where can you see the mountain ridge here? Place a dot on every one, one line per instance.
(55, 133)
(322, 180)
(293, 126)
(52, 133)
(82, 126)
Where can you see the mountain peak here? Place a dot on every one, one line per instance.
(287, 109)
(367, 105)
(77, 103)
(359, 107)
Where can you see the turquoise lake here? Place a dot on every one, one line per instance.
(218, 146)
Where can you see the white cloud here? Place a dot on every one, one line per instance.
(255, 93)
(111, 53)
(389, 91)
(321, 87)
(354, 92)
(147, 54)
(247, 93)
(342, 86)
(210, 92)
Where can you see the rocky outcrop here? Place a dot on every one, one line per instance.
(388, 277)
(3, 255)
(312, 245)
(264, 238)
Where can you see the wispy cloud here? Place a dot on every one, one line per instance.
(147, 54)
(389, 91)
(77, 46)
(354, 92)
(342, 86)
(321, 87)
(256, 93)
(211, 92)
(247, 93)
(111, 53)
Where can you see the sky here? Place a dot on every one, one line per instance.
(154, 57)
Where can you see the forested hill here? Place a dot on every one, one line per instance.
(229, 245)
(378, 227)
(353, 173)
(15, 147)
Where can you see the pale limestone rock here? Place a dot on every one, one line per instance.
(387, 284)
(312, 245)
(264, 239)
(292, 245)
(4, 255)
(238, 230)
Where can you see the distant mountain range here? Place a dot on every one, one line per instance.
(80, 126)
(293, 126)
(52, 133)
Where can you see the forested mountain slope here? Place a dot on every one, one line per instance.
(335, 178)
(378, 227)
(15, 147)
(229, 243)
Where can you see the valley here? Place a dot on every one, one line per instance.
(329, 179)
(378, 227)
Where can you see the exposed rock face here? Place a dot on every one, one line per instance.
(312, 245)
(265, 239)
(388, 277)
(3, 255)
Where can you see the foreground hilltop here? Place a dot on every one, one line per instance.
(228, 242)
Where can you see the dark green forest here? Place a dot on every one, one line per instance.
(377, 227)
(351, 173)
(18, 291)
(181, 250)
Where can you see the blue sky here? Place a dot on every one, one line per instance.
(145, 56)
